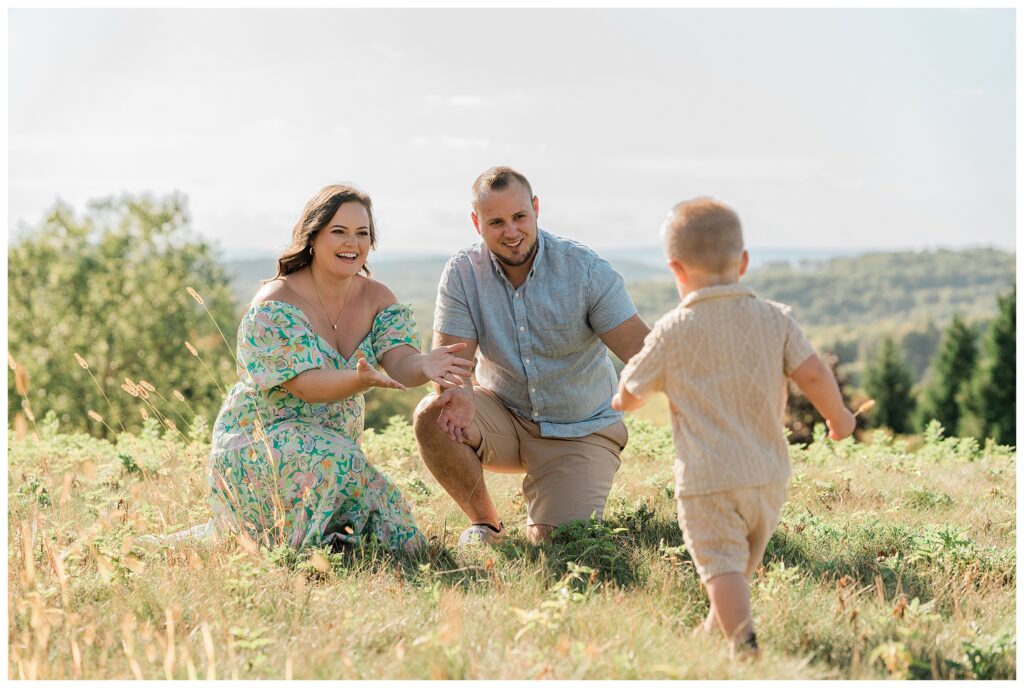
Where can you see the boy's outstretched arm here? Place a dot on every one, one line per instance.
(818, 384)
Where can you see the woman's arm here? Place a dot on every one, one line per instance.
(440, 366)
(321, 385)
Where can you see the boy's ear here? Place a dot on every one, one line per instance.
(678, 269)
(744, 262)
(476, 222)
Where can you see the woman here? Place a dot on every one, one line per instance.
(286, 466)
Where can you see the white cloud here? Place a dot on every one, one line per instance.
(463, 143)
(268, 126)
(472, 100)
(386, 50)
(88, 143)
(456, 142)
(971, 92)
(456, 101)
(466, 101)
(725, 168)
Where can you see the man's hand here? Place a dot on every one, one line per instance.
(457, 410)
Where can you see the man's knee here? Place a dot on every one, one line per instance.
(424, 418)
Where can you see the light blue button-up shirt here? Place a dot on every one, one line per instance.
(539, 345)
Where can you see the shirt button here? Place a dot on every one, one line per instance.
(521, 328)
(535, 414)
(527, 361)
(532, 390)
(517, 295)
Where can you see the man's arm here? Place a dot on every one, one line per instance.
(457, 407)
(626, 340)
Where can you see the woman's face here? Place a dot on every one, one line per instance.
(341, 248)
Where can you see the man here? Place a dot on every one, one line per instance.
(543, 312)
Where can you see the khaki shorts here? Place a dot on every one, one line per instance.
(728, 531)
(566, 478)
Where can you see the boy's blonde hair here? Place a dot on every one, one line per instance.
(705, 234)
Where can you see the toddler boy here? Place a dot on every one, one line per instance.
(722, 357)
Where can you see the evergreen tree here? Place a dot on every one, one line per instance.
(888, 382)
(996, 395)
(953, 371)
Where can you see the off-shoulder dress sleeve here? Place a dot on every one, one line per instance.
(394, 326)
(276, 343)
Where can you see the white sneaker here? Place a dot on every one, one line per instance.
(480, 534)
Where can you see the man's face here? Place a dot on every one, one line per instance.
(507, 222)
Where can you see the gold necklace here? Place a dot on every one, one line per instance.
(334, 325)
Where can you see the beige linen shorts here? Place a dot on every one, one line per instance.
(728, 531)
(566, 478)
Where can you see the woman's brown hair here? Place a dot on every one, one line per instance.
(315, 216)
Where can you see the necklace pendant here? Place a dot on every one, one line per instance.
(335, 327)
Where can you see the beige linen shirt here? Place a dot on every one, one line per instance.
(722, 356)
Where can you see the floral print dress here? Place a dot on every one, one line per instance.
(286, 471)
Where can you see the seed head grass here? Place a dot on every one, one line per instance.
(889, 562)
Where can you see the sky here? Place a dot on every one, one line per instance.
(824, 129)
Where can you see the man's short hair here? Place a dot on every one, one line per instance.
(704, 233)
(497, 179)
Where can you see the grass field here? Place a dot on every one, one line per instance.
(893, 559)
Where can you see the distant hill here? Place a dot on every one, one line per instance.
(848, 304)
(904, 286)
(848, 290)
(412, 280)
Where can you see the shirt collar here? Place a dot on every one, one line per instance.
(719, 291)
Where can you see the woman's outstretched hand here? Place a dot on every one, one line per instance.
(371, 377)
(441, 367)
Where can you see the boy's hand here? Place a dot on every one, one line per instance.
(624, 401)
(842, 427)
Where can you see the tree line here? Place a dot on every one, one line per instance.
(121, 312)
(973, 389)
